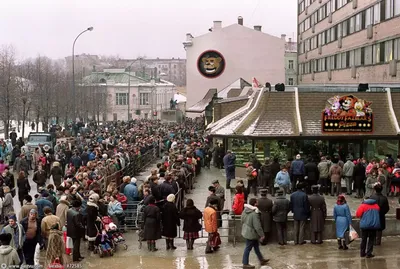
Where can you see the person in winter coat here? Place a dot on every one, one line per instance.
(253, 233)
(56, 247)
(300, 207)
(311, 174)
(335, 173)
(131, 191)
(348, 173)
(230, 167)
(318, 215)
(47, 223)
(40, 178)
(115, 211)
(170, 221)
(26, 208)
(371, 182)
(359, 179)
(211, 223)
(151, 224)
(213, 196)
(125, 181)
(18, 235)
(266, 175)
(252, 176)
(31, 225)
(383, 204)
(368, 212)
(220, 192)
(166, 188)
(57, 174)
(280, 210)
(62, 210)
(282, 180)
(382, 179)
(41, 203)
(342, 217)
(265, 207)
(323, 170)
(238, 201)
(297, 171)
(8, 255)
(23, 187)
(8, 203)
(93, 219)
(191, 225)
(75, 229)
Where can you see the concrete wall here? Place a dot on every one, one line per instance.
(248, 53)
(235, 229)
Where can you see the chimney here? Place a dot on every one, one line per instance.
(257, 28)
(240, 20)
(217, 25)
(283, 37)
(290, 40)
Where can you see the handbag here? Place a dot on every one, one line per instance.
(215, 240)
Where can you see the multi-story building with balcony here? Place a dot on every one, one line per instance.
(348, 41)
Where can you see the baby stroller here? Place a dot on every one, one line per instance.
(103, 245)
(113, 232)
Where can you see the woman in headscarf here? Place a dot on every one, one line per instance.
(56, 249)
(170, 221)
(57, 173)
(92, 227)
(342, 217)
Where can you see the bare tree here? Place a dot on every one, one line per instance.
(25, 91)
(7, 86)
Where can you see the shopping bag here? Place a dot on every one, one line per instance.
(215, 240)
(353, 235)
(69, 245)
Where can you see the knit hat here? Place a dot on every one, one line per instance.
(171, 198)
(14, 217)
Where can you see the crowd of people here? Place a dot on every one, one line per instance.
(93, 178)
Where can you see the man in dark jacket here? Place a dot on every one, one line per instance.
(166, 188)
(318, 215)
(265, 207)
(300, 207)
(383, 204)
(280, 210)
(230, 168)
(297, 171)
(311, 174)
(75, 229)
(40, 178)
(265, 176)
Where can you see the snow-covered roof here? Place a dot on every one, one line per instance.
(180, 98)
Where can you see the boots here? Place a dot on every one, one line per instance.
(191, 243)
(188, 244)
(167, 242)
(340, 243)
(153, 246)
(345, 247)
(148, 245)
(171, 244)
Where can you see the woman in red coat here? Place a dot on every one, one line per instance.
(238, 201)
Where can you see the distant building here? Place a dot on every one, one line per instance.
(173, 70)
(147, 97)
(218, 58)
(290, 61)
(348, 41)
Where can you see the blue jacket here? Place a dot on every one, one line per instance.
(368, 212)
(131, 192)
(282, 179)
(297, 168)
(299, 205)
(41, 204)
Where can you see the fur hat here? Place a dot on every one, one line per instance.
(133, 180)
(171, 198)
(94, 198)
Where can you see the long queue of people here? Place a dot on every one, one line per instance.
(87, 174)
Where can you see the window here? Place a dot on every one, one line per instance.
(333, 62)
(396, 7)
(388, 9)
(121, 99)
(368, 17)
(368, 55)
(377, 13)
(333, 34)
(328, 8)
(334, 5)
(144, 98)
(396, 48)
(352, 25)
(290, 64)
(290, 81)
(344, 59)
(358, 22)
(338, 61)
(357, 57)
(379, 53)
(389, 50)
(301, 7)
(345, 28)
(351, 58)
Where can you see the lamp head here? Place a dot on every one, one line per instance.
(90, 28)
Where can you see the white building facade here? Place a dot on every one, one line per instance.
(219, 58)
(131, 97)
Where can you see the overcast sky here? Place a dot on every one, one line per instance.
(130, 28)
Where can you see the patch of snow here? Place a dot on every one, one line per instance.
(252, 127)
(180, 98)
(14, 124)
(229, 128)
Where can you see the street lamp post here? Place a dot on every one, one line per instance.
(129, 84)
(73, 74)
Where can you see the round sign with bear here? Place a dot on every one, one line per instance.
(211, 64)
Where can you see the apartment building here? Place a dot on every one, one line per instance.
(348, 41)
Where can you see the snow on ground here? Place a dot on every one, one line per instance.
(14, 124)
